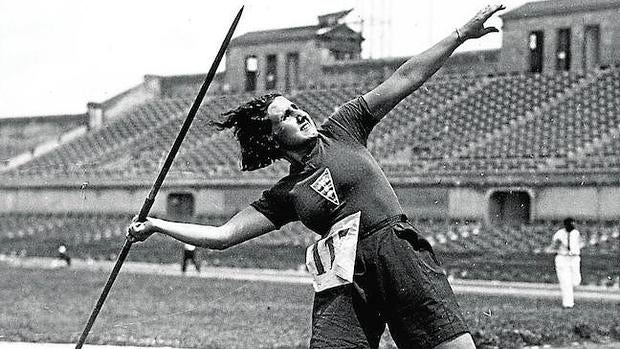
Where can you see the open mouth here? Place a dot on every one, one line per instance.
(305, 124)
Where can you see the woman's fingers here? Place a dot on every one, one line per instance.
(130, 233)
(494, 9)
(476, 27)
(488, 30)
(137, 232)
(489, 11)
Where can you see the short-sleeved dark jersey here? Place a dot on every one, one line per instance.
(338, 178)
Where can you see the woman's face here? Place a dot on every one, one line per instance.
(291, 126)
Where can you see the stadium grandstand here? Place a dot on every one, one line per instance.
(487, 157)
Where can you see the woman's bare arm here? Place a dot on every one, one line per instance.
(419, 68)
(245, 225)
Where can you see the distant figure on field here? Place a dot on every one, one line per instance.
(567, 244)
(189, 254)
(64, 255)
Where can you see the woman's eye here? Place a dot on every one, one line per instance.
(286, 115)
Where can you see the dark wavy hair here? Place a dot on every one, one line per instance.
(252, 128)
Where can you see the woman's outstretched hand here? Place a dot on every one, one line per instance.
(475, 27)
(140, 231)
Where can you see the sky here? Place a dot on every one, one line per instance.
(58, 55)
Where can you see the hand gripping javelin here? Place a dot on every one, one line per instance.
(148, 203)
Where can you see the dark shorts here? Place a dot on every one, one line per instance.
(397, 281)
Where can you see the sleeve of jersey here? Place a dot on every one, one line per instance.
(352, 121)
(274, 205)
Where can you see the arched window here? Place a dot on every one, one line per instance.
(509, 207)
(180, 206)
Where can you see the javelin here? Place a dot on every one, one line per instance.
(150, 199)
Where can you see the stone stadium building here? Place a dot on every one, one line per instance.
(489, 154)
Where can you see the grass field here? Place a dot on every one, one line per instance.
(53, 305)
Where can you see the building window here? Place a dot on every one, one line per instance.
(591, 47)
(291, 75)
(181, 206)
(271, 78)
(535, 45)
(342, 55)
(510, 207)
(251, 71)
(563, 55)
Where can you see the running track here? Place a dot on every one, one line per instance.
(534, 290)
(497, 288)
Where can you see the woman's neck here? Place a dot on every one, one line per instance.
(298, 154)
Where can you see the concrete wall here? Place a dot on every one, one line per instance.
(582, 202)
(609, 202)
(561, 202)
(416, 202)
(467, 203)
(428, 202)
(60, 200)
(515, 51)
(208, 201)
(424, 202)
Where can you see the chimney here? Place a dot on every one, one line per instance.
(153, 85)
(95, 115)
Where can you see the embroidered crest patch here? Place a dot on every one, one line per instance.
(324, 185)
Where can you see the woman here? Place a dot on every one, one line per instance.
(371, 268)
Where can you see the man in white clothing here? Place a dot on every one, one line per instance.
(189, 255)
(567, 244)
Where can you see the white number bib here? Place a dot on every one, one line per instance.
(331, 260)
